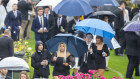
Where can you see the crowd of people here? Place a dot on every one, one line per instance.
(45, 24)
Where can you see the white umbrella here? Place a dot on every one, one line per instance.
(52, 3)
(14, 63)
(10, 4)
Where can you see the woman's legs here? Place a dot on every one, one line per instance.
(100, 72)
(55, 77)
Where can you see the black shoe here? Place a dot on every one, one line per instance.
(131, 78)
(120, 55)
(106, 69)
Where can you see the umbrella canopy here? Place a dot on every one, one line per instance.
(135, 1)
(136, 17)
(74, 44)
(132, 26)
(73, 8)
(52, 3)
(103, 3)
(95, 27)
(14, 63)
(101, 14)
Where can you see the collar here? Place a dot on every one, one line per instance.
(6, 35)
(2, 77)
(60, 18)
(76, 20)
(40, 16)
(120, 8)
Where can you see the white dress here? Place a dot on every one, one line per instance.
(2, 16)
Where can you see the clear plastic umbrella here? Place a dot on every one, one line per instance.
(14, 63)
(52, 3)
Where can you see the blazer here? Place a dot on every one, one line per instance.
(90, 60)
(132, 44)
(36, 26)
(12, 21)
(6, 47)
(70, 24)
(23, 6)
(119, 20)
(63, 24)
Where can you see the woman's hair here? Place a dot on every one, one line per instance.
(99, 37)
(65, 51)
(25, 73)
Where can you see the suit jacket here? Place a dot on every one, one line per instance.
(63, 24)
(70, 24)
(51, 24)
(90, 60)
(23, 6)
(6, 47)
(132, 44)
(36, 26)
(119, 20)
(12, 21)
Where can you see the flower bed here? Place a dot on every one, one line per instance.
(93, 74)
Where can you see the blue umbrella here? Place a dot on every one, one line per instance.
(74, 44)
(95, 27)
(103, 3)
(73, 8)
(132, 26)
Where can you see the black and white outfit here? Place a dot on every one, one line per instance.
(87, 61)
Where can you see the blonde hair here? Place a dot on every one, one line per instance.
(65, 51)
(25, 73)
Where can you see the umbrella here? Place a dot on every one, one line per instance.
(73, 8)
(95, 27)
(132, 26)
(135, 1)
(103, 3)
(14, 63)
(107, 8)
(136, 17)
(74, 44)
(101, 14)
(52, 3)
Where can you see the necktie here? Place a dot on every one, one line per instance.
(41, 21)
(58, 22)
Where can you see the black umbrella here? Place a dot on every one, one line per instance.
(101, 14)
(75, 45)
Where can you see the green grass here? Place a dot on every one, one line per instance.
(115, 62)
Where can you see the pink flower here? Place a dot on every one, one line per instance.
(60, 76)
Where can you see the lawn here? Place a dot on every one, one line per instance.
(117, 64)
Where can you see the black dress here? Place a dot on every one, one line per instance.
(59, 68)
(100, 60)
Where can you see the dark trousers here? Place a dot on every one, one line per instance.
(36, 75)
(14, 35)
(133, 64)
(120, 38)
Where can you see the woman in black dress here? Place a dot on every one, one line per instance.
(62, 61)
(102, 52)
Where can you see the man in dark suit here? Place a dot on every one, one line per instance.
(24, 6)
(50, 22)
(72, 23)
(39, 26)
(118, 24)
(87, 61)
(13, 21)
(60, 24)
(135, 11)
(6, 45)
